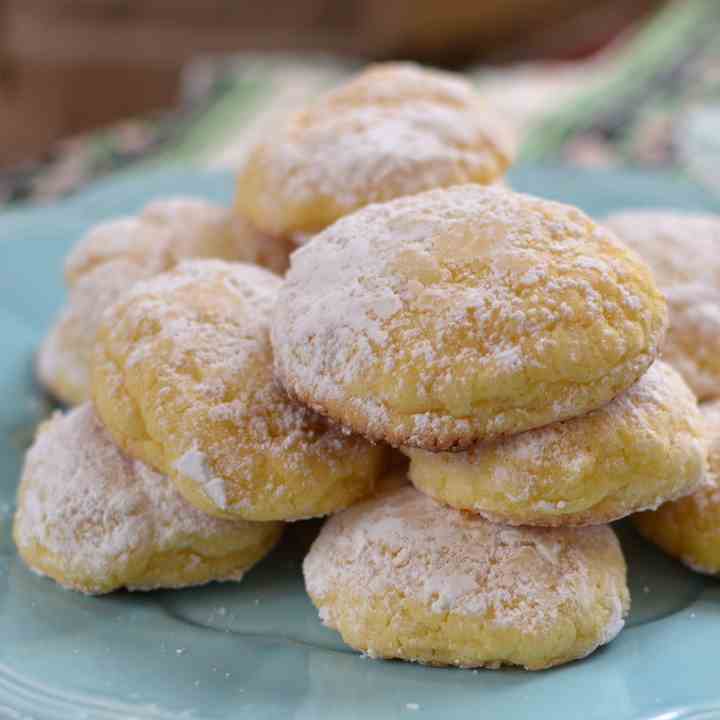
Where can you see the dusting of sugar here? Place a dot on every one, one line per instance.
(707, 498)
(695, 313)
(453, 562)
(616, 619)
(711, 416)
(95, 508)
(467, 277)
(391, 83)
(350, 157)
(234, 430)
(681, 248)
(683, 251)
(116, 254)
(659, 409)
(65, 353)
(194, 465)
(163, 233)
(395, 129)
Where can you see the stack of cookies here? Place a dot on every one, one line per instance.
(185, 455)
(506, 345)
(116, 254)
(683, 251)
(190, 455)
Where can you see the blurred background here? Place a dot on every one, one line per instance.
(91, 86)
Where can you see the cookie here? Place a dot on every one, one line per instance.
(63, 359)
(643, 448)
(396, 129)
(401, 576)
(95, 520)
(683, 252)
(118, 253)
(689, 529)
(457, 315)
(182, 377)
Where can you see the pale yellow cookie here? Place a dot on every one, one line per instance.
(182, 377)
(683, 251)
(63, 360)
(457, 315)
(689, 529)
(95, 520)
(643, 448)
(401, 576)
(118, 253)
(395, 129)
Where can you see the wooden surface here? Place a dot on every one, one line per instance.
(71, 65)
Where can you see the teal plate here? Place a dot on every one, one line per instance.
(257, 650)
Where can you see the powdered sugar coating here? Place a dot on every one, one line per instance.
(164, 233)
(459, 314)
(396, 129)
(117, 253)
(183, 380)
(645, 447)
(681, 247)
(711, 413)
(418, 563)
(95, 519)
(63, 361)
(689, 528)
(683, 251)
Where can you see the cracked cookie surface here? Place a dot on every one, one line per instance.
(643, 448)
(182, 378)
(400, 576)
(458, 315)
(95, 520)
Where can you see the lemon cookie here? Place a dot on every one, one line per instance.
(641, 449)
(396, 129)
(118, 253)
(689, 529)
(401, 576)
(684, 254)
(182, 377)
(94, 520)
(456, 315)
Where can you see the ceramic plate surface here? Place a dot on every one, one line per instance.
(257, 650)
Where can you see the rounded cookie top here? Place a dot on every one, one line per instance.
(460, 314)
(95, 520)
(645, 447)
(689, 528)
(396, 129)
(183, 379)
(162, 234)
(683, 251)
(117, 253)
(396, 574)
(63, 359)
(679, 247)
